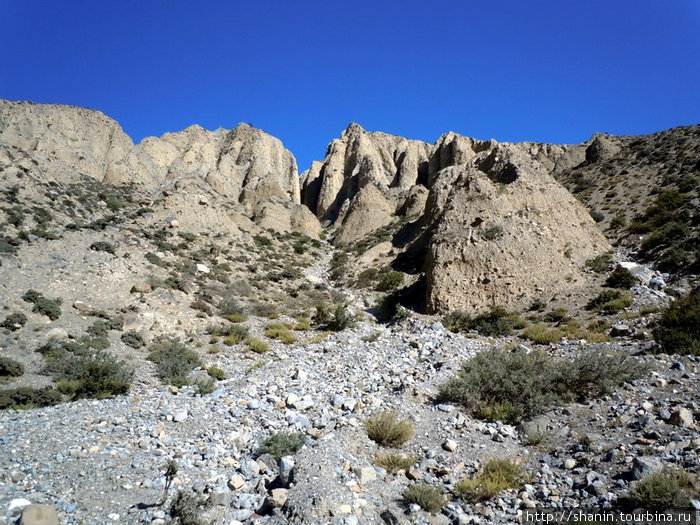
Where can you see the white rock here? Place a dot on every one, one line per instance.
(180, 415)
(56, 334)
(203, 268)
(365, 474)
(450, 445)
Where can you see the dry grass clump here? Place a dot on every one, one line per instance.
(386, 429)
(281, 332)
(496, 475)
(394, 463)
(430, 499)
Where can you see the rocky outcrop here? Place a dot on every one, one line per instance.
(504, 232)
(243, 169)
(498, 228)
(364, 179)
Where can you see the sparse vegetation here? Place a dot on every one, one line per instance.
(14, 321)
(27, 397)
(620, 278)
(51, 308)
(541, 334)
(257, 345)
(504, 385)
(186, 509)
(386, 429)
(678, 329)
(393, 463)
(281, 332)
(495, 322)
(103, 246)
(669, 488)
(389, 281)
(133, 339)
(10, 367)
(599, 264)
(430, 499)
(281, 444)
(174, 361)
(609, 302)
(495, 476)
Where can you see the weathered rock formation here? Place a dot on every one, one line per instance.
(244, 168)
(498, 228)
(364, 180)
(504, 232)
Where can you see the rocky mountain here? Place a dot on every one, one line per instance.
(407, 333)
(495, 224)
(244, 168)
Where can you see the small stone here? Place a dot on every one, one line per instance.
(389, 517)
(365, 474)
(39, 515)
(620, 330)
(113, 516)
(236, 482)
(450, 445)
(292, 399)
(180, 415)
(286, 469)
(643, 466)
(345, 509)
(203, 200)
(203, 268)
(682, 418)
(445, 408)
(141, 288)
(660, 382)
(569, 463)
(277, 498)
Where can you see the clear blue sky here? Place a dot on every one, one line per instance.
(553, 71)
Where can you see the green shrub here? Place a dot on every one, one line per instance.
(51, 308)
(557, 315)
(669, 488)
(265, 310)
(678, 329)
(541, 334)
(261, 240)
(10, 367)
(97, 376)
(495, 322)
(609, 301)
(14, 321)
(430, 499)
(280, 332)
(186, 509)
(235, 334)
(154, 259)
(174, 361)
(216, 372)
(498, 384)
(386, 429)
(393, 463)
(492, 232)
(336, 318)
(8, 245)
(389, 281)
(103, 246)
(599, 264)
(133, 339)
(495, 475)
(257, 345)
(281, 444)
(620, 278)
(537, 305)
(101, 327)
(26, 397)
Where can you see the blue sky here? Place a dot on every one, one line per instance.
(554, 71)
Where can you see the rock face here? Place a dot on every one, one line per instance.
(499, 228)
(503, 232)
(194, 169)
(364, 180)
